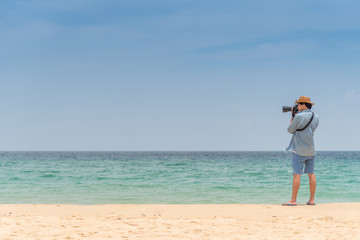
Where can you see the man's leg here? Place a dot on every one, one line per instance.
(312, 185)
(297, 165)
(310, 170)
(295, 188)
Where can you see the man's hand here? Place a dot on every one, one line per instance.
(292, 112)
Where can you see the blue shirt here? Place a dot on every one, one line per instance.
(302, 142)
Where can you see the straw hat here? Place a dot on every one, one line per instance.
(304, 99)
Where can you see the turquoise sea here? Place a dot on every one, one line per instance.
(171, 177)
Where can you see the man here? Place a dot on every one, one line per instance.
(302, 126)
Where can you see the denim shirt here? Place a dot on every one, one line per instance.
(302, 142)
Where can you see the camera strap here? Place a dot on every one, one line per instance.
(301, 129)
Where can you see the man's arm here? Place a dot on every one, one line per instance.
(293, 125)
(292, 118)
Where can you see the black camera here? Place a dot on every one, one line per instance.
(288, 109)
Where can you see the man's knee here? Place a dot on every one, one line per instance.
(297, 175)
(311, 175)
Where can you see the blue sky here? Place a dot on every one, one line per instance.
(176, 75)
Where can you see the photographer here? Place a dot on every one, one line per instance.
(302, 125)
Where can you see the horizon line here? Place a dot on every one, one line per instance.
(167, 151)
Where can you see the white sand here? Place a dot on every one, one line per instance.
(323, 221)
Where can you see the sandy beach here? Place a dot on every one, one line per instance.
(213, 221)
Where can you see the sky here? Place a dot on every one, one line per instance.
(180, 75)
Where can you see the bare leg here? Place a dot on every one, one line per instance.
(312, 185)
(295, 188)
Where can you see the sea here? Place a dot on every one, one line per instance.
(167, 177)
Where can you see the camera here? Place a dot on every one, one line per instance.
(288, 109)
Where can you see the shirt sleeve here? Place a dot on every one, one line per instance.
(294, 125)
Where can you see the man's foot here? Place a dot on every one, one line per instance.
(289, 204)
(310, 203)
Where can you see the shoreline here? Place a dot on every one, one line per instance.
(176, 221)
